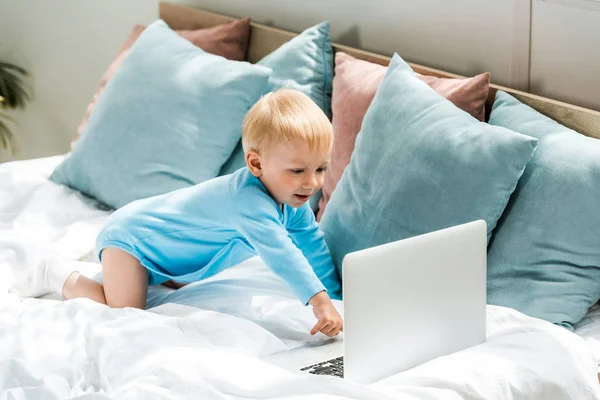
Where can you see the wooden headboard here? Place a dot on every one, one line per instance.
(265, 39)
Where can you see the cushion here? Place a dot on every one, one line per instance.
(229, 40)
(354, 87)
(420, 164)
(168, 119)
(305, 63)
(544, 258)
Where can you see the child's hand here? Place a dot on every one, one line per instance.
(330, 322)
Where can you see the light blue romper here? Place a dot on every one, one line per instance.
(193, 233)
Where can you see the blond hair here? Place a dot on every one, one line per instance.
(282, 116)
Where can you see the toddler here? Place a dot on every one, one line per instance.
(193, 233)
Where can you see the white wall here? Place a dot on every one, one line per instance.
(565, 51)
(462, 36)
(66, 45)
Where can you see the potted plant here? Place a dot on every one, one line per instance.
(13, 95)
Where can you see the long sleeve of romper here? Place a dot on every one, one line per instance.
(260, 224)
(306, 235)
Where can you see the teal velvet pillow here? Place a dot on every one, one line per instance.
(169, 118)
(544, 258)
(420, 164)
(305, 63)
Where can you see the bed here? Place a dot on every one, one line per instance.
(207, 339)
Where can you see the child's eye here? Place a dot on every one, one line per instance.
(297, 171)
(321, 170)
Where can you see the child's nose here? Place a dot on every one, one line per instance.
(311, 181)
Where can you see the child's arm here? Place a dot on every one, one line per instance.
(260, 225)
(306, 235)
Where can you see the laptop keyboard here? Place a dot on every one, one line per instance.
(334, 367)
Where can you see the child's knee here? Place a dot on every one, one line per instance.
(125, 280)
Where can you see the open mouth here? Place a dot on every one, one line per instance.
(302, 197)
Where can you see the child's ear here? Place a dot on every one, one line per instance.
(253, 160)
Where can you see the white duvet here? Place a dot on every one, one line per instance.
(204, 341)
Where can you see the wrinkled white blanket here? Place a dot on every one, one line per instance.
(203, 341)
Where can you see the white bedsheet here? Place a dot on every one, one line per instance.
(203, 341)
(589, 329)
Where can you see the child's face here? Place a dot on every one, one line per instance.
(291, 172)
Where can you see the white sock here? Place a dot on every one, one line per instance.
(49, 276)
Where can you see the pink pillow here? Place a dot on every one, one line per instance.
(354, 85)
(229, 40)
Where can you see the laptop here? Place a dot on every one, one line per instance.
(405, 303)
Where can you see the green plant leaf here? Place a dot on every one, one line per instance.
(7, 117)
(7, 139)
(13, 86)
(11, 66)
(14, 93)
